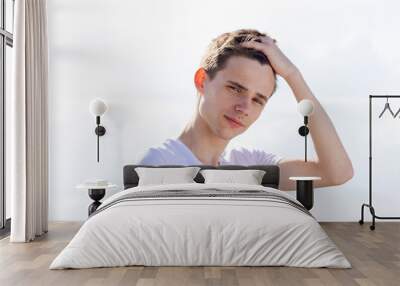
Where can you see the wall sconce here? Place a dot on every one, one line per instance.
(97, 107)
(305, 108)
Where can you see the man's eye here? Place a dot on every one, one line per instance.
(259, 101)
(235, 89)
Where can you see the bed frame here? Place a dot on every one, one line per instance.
(270, 179)
(304, 189)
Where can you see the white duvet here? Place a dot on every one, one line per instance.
(200, 231)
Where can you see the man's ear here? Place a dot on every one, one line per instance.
(199, 79)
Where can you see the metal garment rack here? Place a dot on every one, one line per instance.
(369, 205)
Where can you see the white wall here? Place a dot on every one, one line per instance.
(140, 56)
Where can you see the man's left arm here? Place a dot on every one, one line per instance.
(333, 164)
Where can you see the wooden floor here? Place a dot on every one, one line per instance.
(374, 255)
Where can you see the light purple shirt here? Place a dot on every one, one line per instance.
(175, 152)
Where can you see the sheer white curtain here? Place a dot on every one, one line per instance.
(29, 124)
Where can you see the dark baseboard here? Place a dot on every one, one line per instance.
(5, 231)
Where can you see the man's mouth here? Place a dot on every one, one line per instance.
(233, 123)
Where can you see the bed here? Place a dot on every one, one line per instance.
(201, 224)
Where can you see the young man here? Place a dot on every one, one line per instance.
(236, 79)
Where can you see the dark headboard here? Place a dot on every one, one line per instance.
(270, 179)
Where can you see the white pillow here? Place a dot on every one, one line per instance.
(162, 176)
(249, 177)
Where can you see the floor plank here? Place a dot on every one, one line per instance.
(374, 255)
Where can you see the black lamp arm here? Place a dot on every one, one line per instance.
(99, 131)
(303, 131)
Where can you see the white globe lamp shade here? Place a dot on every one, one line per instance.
(305, 107)
(97, 107)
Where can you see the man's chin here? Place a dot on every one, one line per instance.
(229, 134)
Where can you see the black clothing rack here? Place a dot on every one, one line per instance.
(369, 205)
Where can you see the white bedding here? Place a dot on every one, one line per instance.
(200, 231)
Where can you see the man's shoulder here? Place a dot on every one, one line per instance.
(164, 153)
(167, 146)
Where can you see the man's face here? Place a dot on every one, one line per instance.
(236, 96)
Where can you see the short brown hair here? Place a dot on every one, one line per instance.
(227, 45)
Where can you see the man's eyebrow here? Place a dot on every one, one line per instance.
(246, 89)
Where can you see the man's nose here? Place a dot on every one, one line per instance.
(242, 106)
